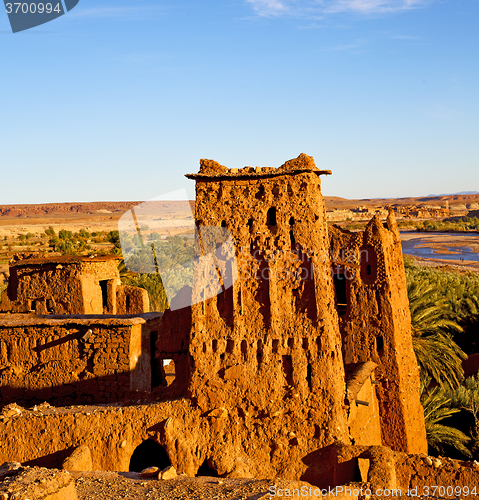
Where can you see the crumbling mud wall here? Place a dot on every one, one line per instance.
(49, 435)
(363, 416)
(376, 325)
(385, 473)
(70, 285)
(74, 360)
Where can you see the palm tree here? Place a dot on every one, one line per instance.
(466, 398)
(438, 356)
(437, 407)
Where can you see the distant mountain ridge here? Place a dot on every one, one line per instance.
(452, 194)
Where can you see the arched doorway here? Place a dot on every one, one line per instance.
(149, 454)
(206, 470)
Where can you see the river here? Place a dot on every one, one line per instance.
(444, 246)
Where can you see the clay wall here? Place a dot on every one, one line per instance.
(74, 360)
(363, 415)
(269, 344)
(131, 300)
(440, 477)
(45, 436)
(229, 444)
(70, 285)
(393, 474)
(376, 325)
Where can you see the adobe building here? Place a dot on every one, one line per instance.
(306, 350)
(77, 359)
(70, 285)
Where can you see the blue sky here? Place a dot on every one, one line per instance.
(118, 99)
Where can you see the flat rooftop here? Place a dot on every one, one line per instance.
(90, 320)
(210, 169)
(62, 259)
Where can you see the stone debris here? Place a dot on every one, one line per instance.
(150, 472)
(38, 484)
(9, 469)
(11, 410)
(168, 473)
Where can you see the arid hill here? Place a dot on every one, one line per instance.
(336, 202)
(114, 209)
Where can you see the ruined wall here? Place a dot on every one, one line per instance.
(75, 360)
(440, 477)
(131, 300)
(394, 474)
(59, 285)
(376, 325)
(70, 285)
(363, 414)
(46, 436)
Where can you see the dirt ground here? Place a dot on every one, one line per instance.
(129, 486)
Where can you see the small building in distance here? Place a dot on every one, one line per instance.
(70, 284)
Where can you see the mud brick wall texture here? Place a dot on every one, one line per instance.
(74, 360)
(376, 325)
(70, 285)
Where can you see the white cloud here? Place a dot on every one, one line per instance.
(315, 8)
(268, 7)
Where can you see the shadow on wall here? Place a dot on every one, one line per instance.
(327, 469)
(53, 460)
(110, 388)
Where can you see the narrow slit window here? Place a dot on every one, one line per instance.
(340, 287)
(271, 217)
(104, 294)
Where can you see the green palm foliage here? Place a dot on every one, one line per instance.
(466, 398)
(437, 407)
(438, 356)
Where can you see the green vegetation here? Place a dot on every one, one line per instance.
(437, 408)
(447, 225)
(171, 260)
(67, 242)
(445, 325)
(433, 325)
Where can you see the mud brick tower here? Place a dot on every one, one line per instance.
(270, 345)
(375, 326)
